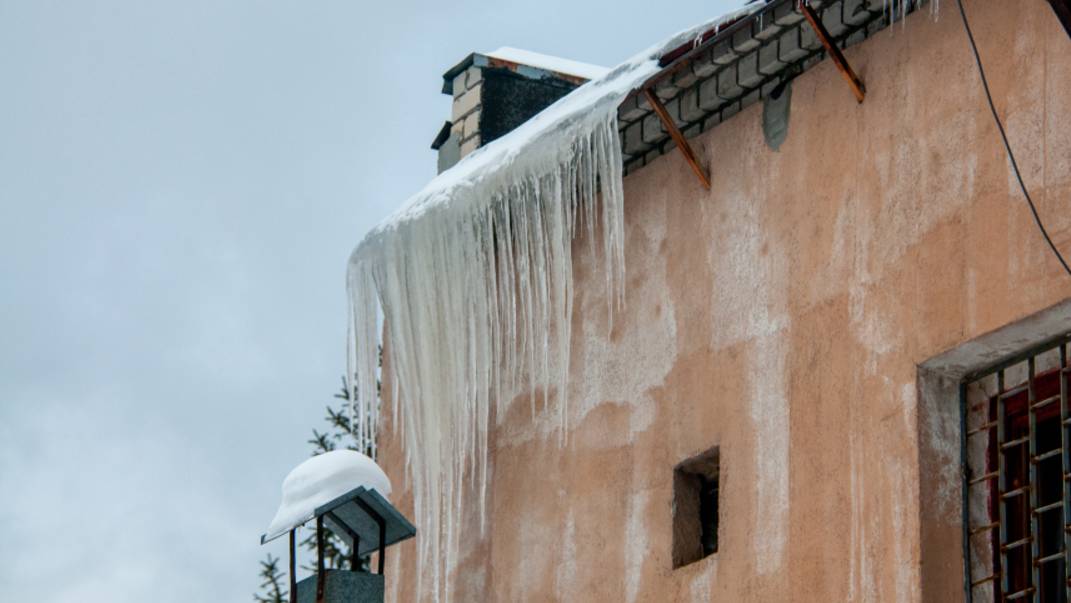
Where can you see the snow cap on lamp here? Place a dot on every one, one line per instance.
(320, 480)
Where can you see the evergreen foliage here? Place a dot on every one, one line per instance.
(271, 582)
(336, 435)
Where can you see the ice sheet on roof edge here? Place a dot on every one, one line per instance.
(549, 128)
(473, 275)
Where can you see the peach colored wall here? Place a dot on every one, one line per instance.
(781, 316)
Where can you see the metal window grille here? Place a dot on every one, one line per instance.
(1016, 447)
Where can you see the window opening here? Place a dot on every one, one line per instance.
(695, 508)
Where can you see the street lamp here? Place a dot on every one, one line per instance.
(346, 492)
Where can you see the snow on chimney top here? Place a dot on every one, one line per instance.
(497, 91)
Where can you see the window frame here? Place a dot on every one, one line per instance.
(1005, 416)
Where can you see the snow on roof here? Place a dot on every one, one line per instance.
(540, 141)
(548, 63)
(320, 480)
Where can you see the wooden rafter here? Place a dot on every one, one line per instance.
(677, 137)
(834, 52)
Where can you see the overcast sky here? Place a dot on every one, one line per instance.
(181, 184)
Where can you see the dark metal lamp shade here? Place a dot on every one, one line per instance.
(363, 515)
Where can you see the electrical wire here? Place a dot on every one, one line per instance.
(1007, 145)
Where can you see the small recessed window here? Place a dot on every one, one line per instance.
(695, 508)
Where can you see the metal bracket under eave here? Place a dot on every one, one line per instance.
(677, 137)
(834, 52)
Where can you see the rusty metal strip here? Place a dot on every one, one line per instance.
(1034, 477)
(677, 137)
(1065, 490)
(834, 52)
(1002, 486)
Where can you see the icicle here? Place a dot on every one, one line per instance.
(473, 281)
(478, 297)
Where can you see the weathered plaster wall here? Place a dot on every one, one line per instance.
(782, 316)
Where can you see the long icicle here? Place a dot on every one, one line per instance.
(472, 285)
(454, 291)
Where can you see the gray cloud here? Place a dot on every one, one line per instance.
(180, 186)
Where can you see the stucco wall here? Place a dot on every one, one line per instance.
(781, 316)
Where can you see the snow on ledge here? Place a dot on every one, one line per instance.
(320, 480)
(549, 63)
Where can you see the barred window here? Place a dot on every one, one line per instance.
(1017, 490)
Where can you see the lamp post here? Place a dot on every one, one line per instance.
(344, 491)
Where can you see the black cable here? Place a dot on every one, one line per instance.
(1004, 137)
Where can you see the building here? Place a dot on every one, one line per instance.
(833, 374)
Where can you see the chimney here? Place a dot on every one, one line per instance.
(498, 91)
